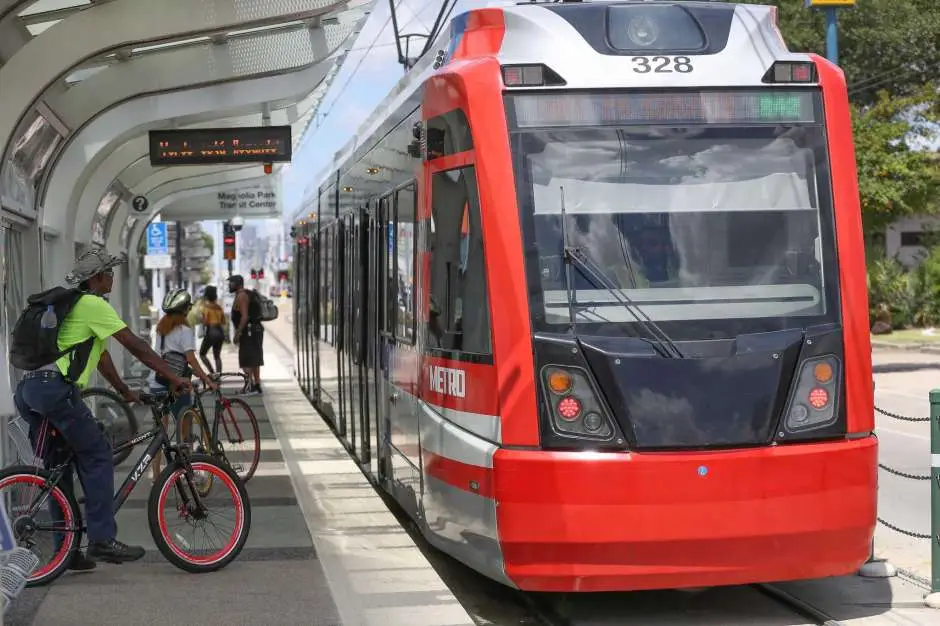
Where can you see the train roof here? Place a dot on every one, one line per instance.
(732, 44)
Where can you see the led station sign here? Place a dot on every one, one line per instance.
(212, 146)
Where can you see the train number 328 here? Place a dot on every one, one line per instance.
(662, 65)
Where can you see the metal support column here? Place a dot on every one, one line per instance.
(933, 600)
(832, 34)
(179, 255)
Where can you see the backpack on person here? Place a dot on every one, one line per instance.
(177, 361)
(35, 339)
(261, 308)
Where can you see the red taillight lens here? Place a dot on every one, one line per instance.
(815, 396)
(569, 409)
(818, 398)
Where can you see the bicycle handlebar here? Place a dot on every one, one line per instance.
(218, 376)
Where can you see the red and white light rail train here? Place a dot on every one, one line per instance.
(587, 295)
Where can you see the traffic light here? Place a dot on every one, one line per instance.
(228, 242)
(254, 274)
(261, 273)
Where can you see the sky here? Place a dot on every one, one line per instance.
(368, 73)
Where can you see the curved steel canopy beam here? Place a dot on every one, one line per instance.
(193, 66)
(121, 23)
(120, 124)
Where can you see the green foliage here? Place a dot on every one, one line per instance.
(890, 293)
(894, 180)
(890, 53)
(902, 297)
(209, 242)
(892, 45)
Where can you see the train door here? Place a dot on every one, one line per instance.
(307, 333)
(385, 342)
(362, 315)
(403, 367)
(350, 342)
(340, 329)
(374, 339)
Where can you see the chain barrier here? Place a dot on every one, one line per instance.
(903, 418)
(933, 478)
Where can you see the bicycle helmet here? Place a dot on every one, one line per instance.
(177, 301)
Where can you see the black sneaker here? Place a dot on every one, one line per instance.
(113, 551)
(81, 563)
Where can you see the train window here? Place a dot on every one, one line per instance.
(405, 263)
(448, 134)
(459, 306)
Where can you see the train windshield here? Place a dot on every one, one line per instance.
(711, 212)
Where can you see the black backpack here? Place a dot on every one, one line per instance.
(33, 345)
(260, 308)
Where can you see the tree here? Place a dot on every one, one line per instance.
(894, 179)
(883, 44)
(889, 51)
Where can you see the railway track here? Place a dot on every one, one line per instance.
(544, 610)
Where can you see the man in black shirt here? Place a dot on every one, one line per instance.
(249, 333)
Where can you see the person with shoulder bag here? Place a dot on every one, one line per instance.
(176, 341)
(215, 322)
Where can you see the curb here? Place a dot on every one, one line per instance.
(909, 347)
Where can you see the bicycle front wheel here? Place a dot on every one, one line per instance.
(183, 523)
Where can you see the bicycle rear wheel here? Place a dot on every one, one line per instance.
(163, 514)
(239, 435)
(115, 416)
(45, 520)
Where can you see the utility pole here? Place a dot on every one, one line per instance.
(831, 8)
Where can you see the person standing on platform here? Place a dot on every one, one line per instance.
(249, 333)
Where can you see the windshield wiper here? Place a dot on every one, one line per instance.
(593, 272)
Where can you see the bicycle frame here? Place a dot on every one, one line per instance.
(219, 403)
(160, 441)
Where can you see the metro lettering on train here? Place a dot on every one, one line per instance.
(586, 295)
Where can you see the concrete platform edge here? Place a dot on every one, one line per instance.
(347, 601)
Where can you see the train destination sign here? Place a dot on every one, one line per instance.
(211, 146)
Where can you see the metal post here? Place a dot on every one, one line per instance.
(832, 34)
(179, 255)
(933, 600)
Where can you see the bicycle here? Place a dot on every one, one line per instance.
(225, 413)
(180, 472)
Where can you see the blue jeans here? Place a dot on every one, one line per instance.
(183, 401)
(61, 403)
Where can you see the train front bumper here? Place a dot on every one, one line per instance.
(590, 521)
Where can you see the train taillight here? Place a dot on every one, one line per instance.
(813, 401)
(791, 72)
(536, 75)
(574, 404)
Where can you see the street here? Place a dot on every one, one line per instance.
(904, 446)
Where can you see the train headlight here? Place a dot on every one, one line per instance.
(813, 402)
(574, 405)
(642, 31)
(644, 28)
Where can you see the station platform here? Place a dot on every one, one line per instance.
(324, 550)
